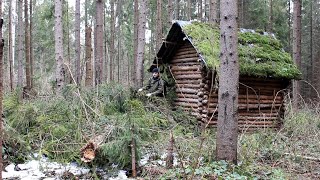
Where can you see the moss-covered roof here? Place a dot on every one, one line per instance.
(260, 54)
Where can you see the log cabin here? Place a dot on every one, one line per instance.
(190, 55)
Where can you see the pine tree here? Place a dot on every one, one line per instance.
(227, 129)
(99, 42)
(58, 34)
(77, 43)
(296, 46)
(141, 42)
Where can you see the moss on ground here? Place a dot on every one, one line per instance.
(259, 55)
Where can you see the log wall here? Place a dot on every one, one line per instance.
(260, 100)
(186, 69)
(261, 104)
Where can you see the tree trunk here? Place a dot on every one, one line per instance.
(99, 42)
(112, 37)
(1, 87)
(118, 30)
(177, 9)
(89, 73)
(213, 12)
(20, 46)
(27, 46)
(141, 42)
(296, 49)
(270, 23)
(77, 42)
(30, 43)
(200, 11)
(159, 25)
(240, 13)
(10, 46)
(227, 129)
(60, 72)
(189, 11)
(135, 43)
(170, 12)
(68, 77)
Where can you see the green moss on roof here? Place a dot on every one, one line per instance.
(259, 55)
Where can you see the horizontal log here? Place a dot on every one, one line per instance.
(252, 101)
(186, 90)
(185, 72)
(251, 96)
(187, 96)
(194, 63)
(185, 68)
(188, 76)
(184, 104)
(192, 59)
(197, 86)
(183, 81)
(188, 50)
(244, 106)
(186, 100)
(176, 56)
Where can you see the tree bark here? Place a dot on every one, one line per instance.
(200, 10)
(189, 11)
(20, 46)
(1, 88)
(112, 33)
(227, 130)
(135, 43)
(270, 23)
(141, 44)
(77, 43)
(296, 46)
(177, 9)
(170, 12)
(213, 12)
(10, 46)
(60, 71)
(159, 25)
(27, 46)
(118, 30)
(89, 73)
(30, 42)
(99, 42)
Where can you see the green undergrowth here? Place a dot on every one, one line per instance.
(259, 55)
(59, 126)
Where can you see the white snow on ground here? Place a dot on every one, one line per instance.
(42, 168)
(36, 169)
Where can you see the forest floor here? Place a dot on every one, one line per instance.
(57, 128)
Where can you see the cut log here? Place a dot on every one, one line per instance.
(88, 151)
(192, 59)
